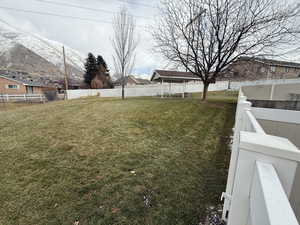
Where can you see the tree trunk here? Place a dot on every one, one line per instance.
(204, 93)
(123, 83)
(123, 96)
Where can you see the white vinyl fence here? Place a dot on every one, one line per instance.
(169, 89)
(22, 98)
(147, 90)
(263, 180)
(237, 85)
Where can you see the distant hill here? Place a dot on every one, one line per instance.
(36, 55)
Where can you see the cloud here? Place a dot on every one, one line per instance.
(86, 36)
(93, 37)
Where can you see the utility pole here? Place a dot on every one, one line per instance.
(66, 73)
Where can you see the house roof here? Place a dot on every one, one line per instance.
(271, 62)
(119, 80)
(173, 75)
(71, 82)
(138, 81)
(22, 81)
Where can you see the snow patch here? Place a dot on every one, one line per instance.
(47, 49)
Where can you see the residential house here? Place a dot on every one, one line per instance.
(170, 76)
(72, 84)
(132, 81)
(14, 86)
(254, 68)
(245, 68)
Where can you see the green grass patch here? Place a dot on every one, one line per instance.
(108, 161)
(220, 96)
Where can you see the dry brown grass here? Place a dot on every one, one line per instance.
(108, 161)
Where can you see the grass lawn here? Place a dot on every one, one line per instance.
(9, 106)
(107, 161)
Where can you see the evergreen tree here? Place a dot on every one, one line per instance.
(100, 61)
(90, 68)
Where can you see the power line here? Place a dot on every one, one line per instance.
(61, 16)
(53, 14)
(138, 4)
(84, 7)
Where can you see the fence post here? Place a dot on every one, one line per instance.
(268, 200)
(272, 91)
(7, 97)
(281, 153)
(162, 89)
(242, 107)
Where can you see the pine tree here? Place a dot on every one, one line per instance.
(101, 61)
(90, 68)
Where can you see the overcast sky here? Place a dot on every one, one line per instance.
(86, 36)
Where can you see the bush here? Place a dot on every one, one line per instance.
(51, 95)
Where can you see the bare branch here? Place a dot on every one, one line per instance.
(124, 44)
(205, 36)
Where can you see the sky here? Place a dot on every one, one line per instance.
(88, 36)
(91, 36)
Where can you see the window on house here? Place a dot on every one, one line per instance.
(29, 89)
(12, 86)
(273, 69)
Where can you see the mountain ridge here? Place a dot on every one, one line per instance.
(34, 54)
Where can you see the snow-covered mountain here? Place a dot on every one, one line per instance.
(35, 54)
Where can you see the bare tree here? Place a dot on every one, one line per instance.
(124, 44)
(205, 36)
